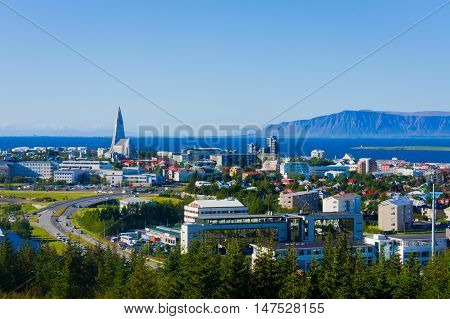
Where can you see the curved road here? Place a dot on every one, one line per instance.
(62, 225)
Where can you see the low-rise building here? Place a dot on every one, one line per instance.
(231, 159)
(395, 214)
(407, 246)
(70, 176)
(86, 165)
(342, 203)
(144, 180)
(208, 207)
(306, 200)
(33, 169)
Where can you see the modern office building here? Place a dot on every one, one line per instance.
(395, 214)
(199, 208)
(367, 166)
(305, 201)
(221, 228)
(307, 252)
(259, 229)
(342, 203)
(317, 154)
(407, 245)
(294, 169)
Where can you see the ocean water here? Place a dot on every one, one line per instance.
(334, 147)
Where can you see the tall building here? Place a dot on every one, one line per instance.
(318, 154)
(119, 130)
(121, 147)
(272, 145)
(252, 148)
(367, 165)
(395, 214)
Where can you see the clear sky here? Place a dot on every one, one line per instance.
(215, 62)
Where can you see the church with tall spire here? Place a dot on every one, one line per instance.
(120, 145)
(119, 130)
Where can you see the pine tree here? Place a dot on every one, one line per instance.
(142, 283)
(436, 281)
(8, 262)
(294, 281)
(47, 269)
(235, 273)
(199, 272)
(410, 280)
(266, 275)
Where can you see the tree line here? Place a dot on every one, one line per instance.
(204, 272)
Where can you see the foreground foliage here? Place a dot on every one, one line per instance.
(205, 273)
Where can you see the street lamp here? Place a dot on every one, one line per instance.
(433, 216)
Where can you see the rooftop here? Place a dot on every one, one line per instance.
(398, 201)
(418, 236)
(345, 196)
(216, 203)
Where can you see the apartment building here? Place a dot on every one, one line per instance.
(306, 200)
(342, 203)
(395, 214)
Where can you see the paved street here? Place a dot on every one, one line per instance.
(63, 225)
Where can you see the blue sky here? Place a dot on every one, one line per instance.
(215, 62)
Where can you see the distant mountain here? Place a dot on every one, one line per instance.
(366, 123)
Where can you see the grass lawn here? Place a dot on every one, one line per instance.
(54, 195)
(160, 199)
(60, 211)
(39, 234)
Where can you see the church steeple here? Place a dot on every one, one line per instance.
(119, 130)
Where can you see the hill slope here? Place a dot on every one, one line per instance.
(367, 124)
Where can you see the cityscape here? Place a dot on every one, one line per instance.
(161, 205)
(224, 159)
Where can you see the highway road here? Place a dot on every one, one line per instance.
(63, 226)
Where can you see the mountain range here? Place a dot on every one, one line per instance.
(366, 123)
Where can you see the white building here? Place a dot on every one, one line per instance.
(395, 214)
(213, 206)
(85, 165)
(143, 179)
(182, 175)
(407, 245)
(70, 176)
(342, 203)
(113, 178)
(34, 169)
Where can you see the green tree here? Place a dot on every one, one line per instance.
(235, 273)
